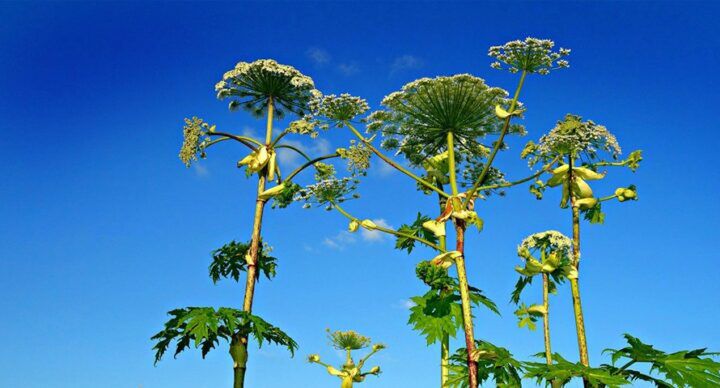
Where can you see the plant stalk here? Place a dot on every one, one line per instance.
(574, 285)
(462, 274)
(240, 364)
(546, 326)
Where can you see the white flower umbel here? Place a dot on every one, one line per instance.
(574, 137)
(531, 55)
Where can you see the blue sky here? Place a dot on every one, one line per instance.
(103, 230)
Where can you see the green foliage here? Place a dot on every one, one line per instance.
(435, 276)
(493, 362)
(527, 317)
(594, 214)
(685, 368)
(286, 196)
(435, 315)
(229, 260)
(439, 311)
(563, 370)
(416, 230)
(204, 327)
(522, 282)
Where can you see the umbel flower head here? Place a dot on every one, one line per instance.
(554, 249)
(417, 118)
(576, 138)
(531, 55)
(348, 340)
(329, 110)
(194, 140)
(251, 85)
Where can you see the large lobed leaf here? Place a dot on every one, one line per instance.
(415, 229)
(203, 327)
(493, 362)
(229, 260)
(563, 370)
(685, 368)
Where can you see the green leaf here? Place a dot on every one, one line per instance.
(436, 314)
(205, 326)
(416, 230)
(522, 282)
(685, 368)
(229, 260)
(563, 370)
(594, 214)
(493, 362)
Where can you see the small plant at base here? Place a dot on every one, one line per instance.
(349, 373)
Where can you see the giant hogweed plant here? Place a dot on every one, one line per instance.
(264, 88)
(350, 372)
(444, 117)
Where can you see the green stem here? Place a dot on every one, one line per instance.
(299, 151)
(394, 164)
(462, 274)
(255, 245)
(247, 141)
(347, 382)
(544, 169)
(310, 163)
(546, 326)
(238, 352)
(499, 141)
(574, 285)
(445, 341)
(388, 230)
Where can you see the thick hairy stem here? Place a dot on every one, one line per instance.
(574, 285)
(238, 352)
(466, 305)
(444, 356)
(347, 382)
(546, 319)
(254, 251)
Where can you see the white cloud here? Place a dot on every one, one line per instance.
(405, 62)
(200, 170)
(386, 169)
(348, 69)
(290, 158)
(317, 55)
(375, 235)
(339, 241)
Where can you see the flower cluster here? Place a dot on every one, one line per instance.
(417, 118)
(304, 126)
(357, 157)
(574, 137)
(348, 340)
(531, 55)
(551, 240)
(328, 190)
(338, 109)
(194, 140)
(253, 85)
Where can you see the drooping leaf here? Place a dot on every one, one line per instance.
(204, 327)
(685, 368)
(563, 370)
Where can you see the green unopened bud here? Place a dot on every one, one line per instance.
(368, 224)
(334, 371)
(354, 225)
(377, 347)
(629, 194)
(588, 174)
(269, 193)
(586, 203)
(537, 309)
(272, 166)
(375, 370)
(581, 189)
(314, 358)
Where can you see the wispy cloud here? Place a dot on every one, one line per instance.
(317, 55)
(340, 241)
(290, 158)
(348, 69)
(200, 170)
(374, 235)
(405, 62)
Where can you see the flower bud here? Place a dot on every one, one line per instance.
(314, 358)
(269, 193)
(438, 228)
(354, 225)
(368, 224)
(446, 259)
(374, 370)
(538, 309)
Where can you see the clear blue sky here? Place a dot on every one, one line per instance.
(103, 230)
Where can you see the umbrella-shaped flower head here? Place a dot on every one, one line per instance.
(251, 85)
(417, 118)
(574, 137)
(348, 340)
(531, 55)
